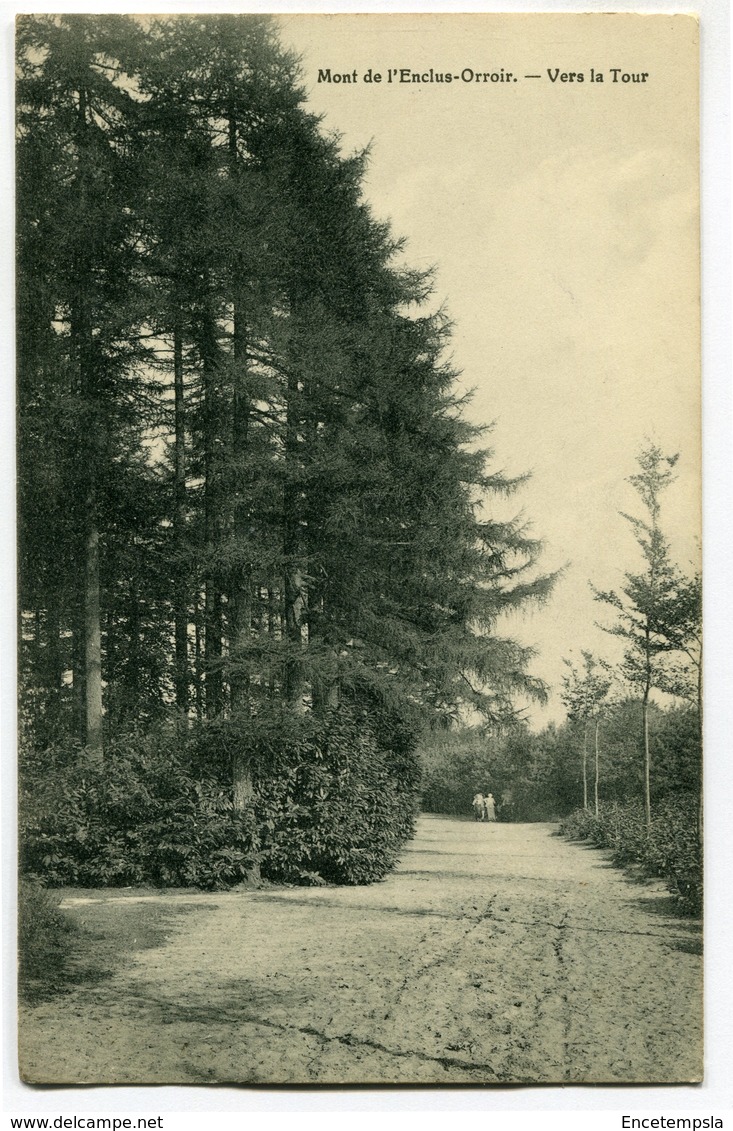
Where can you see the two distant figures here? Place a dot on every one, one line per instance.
(484, 808)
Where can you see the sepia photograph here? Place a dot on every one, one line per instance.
(359, 617)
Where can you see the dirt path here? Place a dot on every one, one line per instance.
(496, 953)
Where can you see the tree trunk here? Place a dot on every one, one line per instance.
(54, 665)
(240, 593)
(213, 649)
(243, 791)
(595, 783)
(180, 596)
(272, 619)
(93, 646)
(244, 797)
(585, 766)
(647, 761)
(199, 658)
(325, 687)
(212, 593)
(240, 596)
(82, 345)
(294, 615)
(78, 690)
(89, 473)
(112, 706)
(133, 680)
(294, 589)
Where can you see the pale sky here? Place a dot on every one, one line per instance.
(562, 219)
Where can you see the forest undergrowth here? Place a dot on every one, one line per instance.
(670, 848)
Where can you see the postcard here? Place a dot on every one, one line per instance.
(359, 490)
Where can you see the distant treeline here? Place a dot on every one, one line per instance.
(539, 777)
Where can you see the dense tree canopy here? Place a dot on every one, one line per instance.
(246, 483)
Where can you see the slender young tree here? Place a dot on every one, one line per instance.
(682, 677)
(643, 604)
(584, 695)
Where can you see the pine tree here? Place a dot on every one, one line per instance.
(211, 80)
(644, 603)
(235, 410)
(77, 255)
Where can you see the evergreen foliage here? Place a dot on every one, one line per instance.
(249, 502)
(658, 610)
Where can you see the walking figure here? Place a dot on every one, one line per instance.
(490, 807)
(479, 809)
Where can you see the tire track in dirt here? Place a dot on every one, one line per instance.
(444, 956)
(494, 954)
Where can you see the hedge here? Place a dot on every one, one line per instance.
(333, 804)
(669, 849)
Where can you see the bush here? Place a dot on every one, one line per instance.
(142, 817)
(332, 805)
(45, 937)
(670, 849)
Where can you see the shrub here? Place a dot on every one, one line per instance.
(332, 805)
(670, 849)
(142, 817)
(335, 804)
(45, 937)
